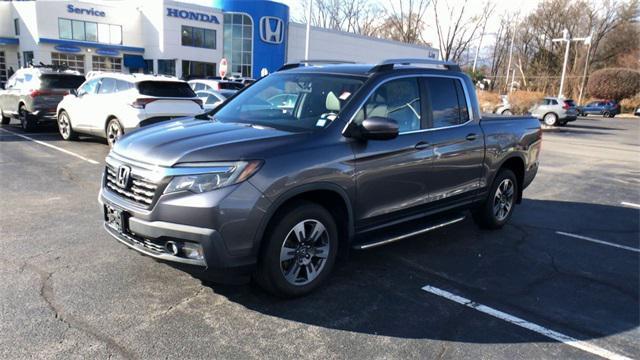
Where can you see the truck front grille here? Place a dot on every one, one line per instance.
(138, 189)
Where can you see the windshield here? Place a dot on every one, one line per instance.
(50, 81)
(166, 89)
(296, 102)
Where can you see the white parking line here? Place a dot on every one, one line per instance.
(586, 238)
(91, 161)
(637, 206)
(565, 339)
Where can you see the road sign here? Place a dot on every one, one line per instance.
(223, 67)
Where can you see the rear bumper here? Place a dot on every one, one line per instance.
(48, 115)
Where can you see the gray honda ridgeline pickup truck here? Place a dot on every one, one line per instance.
(358, 156)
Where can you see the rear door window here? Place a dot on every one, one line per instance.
(122, 85)
(61, 81)
(448, 105)
(165, 89)
(107, 86)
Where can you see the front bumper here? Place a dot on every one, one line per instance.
(223, 222)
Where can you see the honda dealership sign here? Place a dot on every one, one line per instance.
(271, 29)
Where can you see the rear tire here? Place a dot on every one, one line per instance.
(113, 131)
(27, 121)
(4, 119)
(498, 207)
(606, 114)
(299, 252)
(64, 127)
(550, 119)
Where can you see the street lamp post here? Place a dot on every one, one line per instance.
(567, 37)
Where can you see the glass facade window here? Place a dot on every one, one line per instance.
(107, 63)
(238, 43)
(197, 37)
(197, 69)
(28, 58)
(148, 66)
(72, 61)
(3, 67)
(89, 31)
(167, 67)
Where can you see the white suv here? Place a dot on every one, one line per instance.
(109, 105)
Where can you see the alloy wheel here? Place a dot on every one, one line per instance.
(550, 119)
(63, 125)
(114, 132)
(503, 199)
(304, 252)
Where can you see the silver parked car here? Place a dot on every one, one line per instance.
(555, 111)
(32, 94)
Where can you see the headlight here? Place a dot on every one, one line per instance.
(207, 177)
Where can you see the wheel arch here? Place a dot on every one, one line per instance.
(516, 164)
(331, 196)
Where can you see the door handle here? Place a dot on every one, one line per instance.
(422, 145)
(471, 137)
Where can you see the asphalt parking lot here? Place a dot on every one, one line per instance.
(566, 268)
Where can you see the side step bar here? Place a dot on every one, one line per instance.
(429, 227)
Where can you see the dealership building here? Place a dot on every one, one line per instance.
(179, 38)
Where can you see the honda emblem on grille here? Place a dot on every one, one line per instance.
(123, 176)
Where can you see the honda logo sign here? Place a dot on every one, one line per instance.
(271, 30)
(123, 176)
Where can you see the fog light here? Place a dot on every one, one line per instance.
(172, 247)
(192, 251)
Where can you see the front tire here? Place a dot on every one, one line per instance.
(300, 250)
(114, 131)
(64, 127)
(498, 207)
(550, 119)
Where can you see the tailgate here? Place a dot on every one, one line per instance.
(173, 107)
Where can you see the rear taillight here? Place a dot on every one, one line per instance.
(566, 106)
(142, 102)
(198, 101)
(36, 93)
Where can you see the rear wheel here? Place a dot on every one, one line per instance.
(550, 119)
(5, 119)
(64, 127)
(27, 121)
(498, 207)
(299, 252)
(114, 131)
(606, 114)
(507, 112)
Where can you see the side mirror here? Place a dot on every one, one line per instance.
(73, 92)
(379, 128)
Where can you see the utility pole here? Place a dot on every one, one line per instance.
(306, 42)
(513, 38)
(586, 66)
(567, 38)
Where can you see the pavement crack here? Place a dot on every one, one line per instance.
(185, 300)
(47, 294)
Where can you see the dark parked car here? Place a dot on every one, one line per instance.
(368, 155)
(606, 108)
(32, 94)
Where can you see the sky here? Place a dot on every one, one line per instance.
(473, 7)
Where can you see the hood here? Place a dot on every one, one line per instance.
(193, 140)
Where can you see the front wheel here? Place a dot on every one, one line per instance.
(114, 131)
(64, 127)
(550, 119)
(299, 252)
(498, 207)
(507, 112)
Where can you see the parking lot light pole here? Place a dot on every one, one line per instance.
(567, 37)
(306, 42)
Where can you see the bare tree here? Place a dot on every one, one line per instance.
(356, 16)
(457, 29)
(405, 21)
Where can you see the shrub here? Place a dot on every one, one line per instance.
(488, 101)
(614, 83)
(631, 104)
(522, 101)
